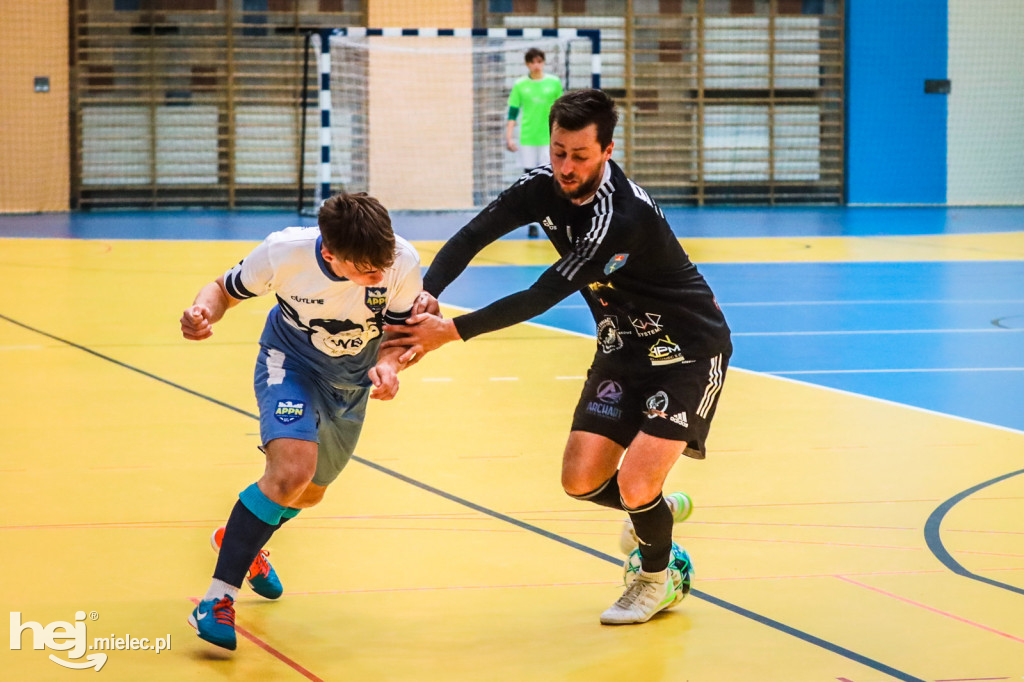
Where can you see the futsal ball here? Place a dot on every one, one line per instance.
(680, 570)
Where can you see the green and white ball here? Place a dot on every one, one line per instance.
(680, 569)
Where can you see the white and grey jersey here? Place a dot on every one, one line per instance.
(320, 318)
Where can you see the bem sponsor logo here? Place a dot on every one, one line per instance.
(72, 637)
(288, 411)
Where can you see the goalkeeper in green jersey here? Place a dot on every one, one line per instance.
(530, 101)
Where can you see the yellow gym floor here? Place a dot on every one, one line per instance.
(448, 550)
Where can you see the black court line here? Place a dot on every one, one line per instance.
(933, 537)
(738, 610)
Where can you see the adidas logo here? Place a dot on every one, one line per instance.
(680, 419)
(548, 223)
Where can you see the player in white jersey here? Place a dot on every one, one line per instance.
(320, 360)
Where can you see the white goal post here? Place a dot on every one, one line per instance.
(417, 116)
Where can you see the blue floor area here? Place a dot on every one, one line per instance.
(429, 225)
(947, 337)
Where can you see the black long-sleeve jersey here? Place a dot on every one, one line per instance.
(650, 303)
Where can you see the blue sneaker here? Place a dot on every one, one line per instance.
(214, 621)
(262, 577)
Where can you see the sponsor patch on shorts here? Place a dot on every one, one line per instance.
(288, 411)
(656, 405)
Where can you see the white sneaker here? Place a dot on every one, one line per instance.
(681, 506)
(648, 594)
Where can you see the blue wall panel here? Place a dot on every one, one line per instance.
(896, 134)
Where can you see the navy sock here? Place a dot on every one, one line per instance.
(653, 525)
(606, 494)
(244, 537)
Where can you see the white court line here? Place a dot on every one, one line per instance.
(808, 384)
(842, 332)
(883, 401)
(923, 301)
(504, 378)
(896, 371)
(738, 304)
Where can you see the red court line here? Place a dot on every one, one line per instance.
(451, 587)
(705, 578)
(845, 502)
(691, 522)
(144, 525)
(797, 542)
(270, 650)
(378, 529)
(980, 553)
(932, 609)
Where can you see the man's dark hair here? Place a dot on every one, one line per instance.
(577, 109)
(356, 228)
(533, 53)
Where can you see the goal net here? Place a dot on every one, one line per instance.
(417, 117)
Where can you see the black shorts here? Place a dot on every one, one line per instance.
(676, 402)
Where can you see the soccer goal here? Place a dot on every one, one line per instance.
(417, 116)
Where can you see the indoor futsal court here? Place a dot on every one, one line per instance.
(857, 517)
(847, 175)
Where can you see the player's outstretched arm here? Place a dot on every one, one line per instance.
(210, 304)
(420, 335)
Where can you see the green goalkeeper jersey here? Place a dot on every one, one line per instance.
(532, 99)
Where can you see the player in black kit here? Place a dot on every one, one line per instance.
(662, 342)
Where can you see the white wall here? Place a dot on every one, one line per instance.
(985, 125)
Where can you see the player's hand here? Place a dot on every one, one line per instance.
(195, 323)
(385, 381)
(420, 334)
(512, 146)
(426, 303)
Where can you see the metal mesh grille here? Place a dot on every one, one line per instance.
(722, 101)
(197, 102)
(191, 103)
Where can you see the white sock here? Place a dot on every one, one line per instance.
(659, 577)
(220, 589)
